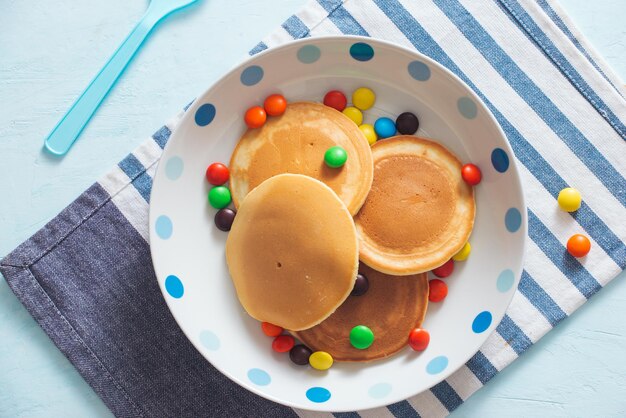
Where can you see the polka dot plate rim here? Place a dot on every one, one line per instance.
(203, 300)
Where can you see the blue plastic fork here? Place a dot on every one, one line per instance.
(69, 128)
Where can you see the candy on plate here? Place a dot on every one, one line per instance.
(217, 174)
(437, 290)
(363, 98)
(255, 117)
(336, 100)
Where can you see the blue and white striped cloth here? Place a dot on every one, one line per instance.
(562, 109)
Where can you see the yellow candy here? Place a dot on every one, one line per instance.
(369, 132)
(354, 114)
(569, 199)
(464, 253)
(321, 360)
(363, 98)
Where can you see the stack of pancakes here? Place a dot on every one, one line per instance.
(400, 207)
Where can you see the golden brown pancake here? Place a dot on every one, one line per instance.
(295, 143)
(292, 252)
(391, 308)
(419, 212)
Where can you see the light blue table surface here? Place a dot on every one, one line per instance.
(48, 53)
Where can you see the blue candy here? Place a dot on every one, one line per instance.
(385, 127)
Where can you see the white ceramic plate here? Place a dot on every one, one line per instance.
(188, 250)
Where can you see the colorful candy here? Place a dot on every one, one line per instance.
(578, 245)
(275, 105)
(354, 114)
(217, 174)
(471, 174)
(407, 123)
(463, 253)
(361, 337)
(336, 100)
(445, 270)
(419, 339)
(224, 219)
(219, 197)
(569, 199)
(363, 98)
(271, 330)
(335, 157)
(283, 343)
(361, 285)
(384, 127)
(255, 117)
(437, 290)
(300, 354)
(369, 132)
(321, 360)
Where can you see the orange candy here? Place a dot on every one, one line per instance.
(578, 245)
(255, 117)
(275, 105)
(283, 343)
(437, 290)
(445, 270)
(271, 330)
(419, 339)
(471, 174)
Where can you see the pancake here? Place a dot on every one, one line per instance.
(391, 308)
(419, 212)
(292, 252)
(295, 143)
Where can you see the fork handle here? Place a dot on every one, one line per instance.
(70, 126)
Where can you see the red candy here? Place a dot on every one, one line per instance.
(578, 245)
(336, 100)
(419, 339)
(271, 330)
(255, 117)
(471, 174)
(445, 270)
(283, 343)
(275, 105)
(217, 174)
(437, 290)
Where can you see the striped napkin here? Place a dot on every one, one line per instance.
(87, 278)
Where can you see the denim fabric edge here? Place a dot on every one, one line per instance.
(58, 228)
(43, 310)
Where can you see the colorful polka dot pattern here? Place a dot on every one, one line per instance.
(209, 340)
(513, 220)
(361, 51)
(379, 390)
(259, 377)
(309, 54)
(164, 227)
(205, 114)
(437, 365)
(174, 168)
(174, 286)
(318, 394)
(482, 322)
(251, 75)
(500, 160)
(505, 281)
(419, 71)
(467, 107)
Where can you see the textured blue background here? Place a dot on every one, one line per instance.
(50, 50)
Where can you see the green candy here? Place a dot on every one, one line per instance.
(335, 157)
(361, 337)
(219, 197)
